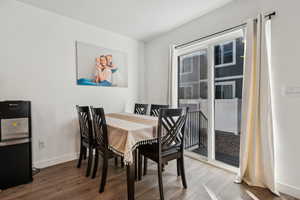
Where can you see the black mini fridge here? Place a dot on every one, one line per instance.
(15, 143)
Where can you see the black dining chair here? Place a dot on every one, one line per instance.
(86, 137)
(170, 143)
(140, 109)
(154, 111)
(101, 144)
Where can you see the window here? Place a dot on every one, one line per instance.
(203, 89)
(191, 61)
(187, 65)
(193, 76)
(185, 92)
(225, 54)
(225, 90)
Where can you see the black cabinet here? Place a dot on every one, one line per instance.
(15, 167)
(15, 143)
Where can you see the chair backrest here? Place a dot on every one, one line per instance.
(85, 124)
(154, 110)
(140, 109)
(100, 128)
(171, 128)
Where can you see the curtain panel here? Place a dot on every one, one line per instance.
(257, 165)
(170, 76)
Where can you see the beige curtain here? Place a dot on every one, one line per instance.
(170, 77)
(257, 167)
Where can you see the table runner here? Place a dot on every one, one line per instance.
(127, 131)
(147, 120)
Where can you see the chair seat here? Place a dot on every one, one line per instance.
(151, 151)
(110, 154)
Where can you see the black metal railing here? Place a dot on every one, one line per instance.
(226, 144)
(196, 130)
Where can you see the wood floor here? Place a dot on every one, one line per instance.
(65, 181)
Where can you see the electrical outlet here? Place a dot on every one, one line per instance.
(291, 91)
(41, 144)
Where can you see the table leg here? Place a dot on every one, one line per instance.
(136, 167)
(130, 180)
(140, 166)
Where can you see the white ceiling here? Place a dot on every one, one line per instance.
(138, 19)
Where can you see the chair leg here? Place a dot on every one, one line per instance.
(84, 153)
(178, 168)
(140, 167)
(104, 174)
(80, 156)
(160, 183)
(116, 161)
(145, 166)
(122, 162)
(90, 161)
(96, 161)
(183, 172)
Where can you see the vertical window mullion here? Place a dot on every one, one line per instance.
(222, 53)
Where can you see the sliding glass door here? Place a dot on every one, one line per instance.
(228, 83)
(208, 78)
(193, 93)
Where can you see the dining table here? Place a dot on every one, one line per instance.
(126, 132)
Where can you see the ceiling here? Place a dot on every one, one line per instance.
(138, 19)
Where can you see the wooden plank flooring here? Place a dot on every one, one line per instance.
(65, 181)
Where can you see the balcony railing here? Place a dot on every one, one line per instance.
(196, 131)
(226, 144)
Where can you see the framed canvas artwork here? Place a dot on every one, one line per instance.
(98, 66)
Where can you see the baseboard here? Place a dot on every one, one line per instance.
(54, 161)
(289, 190)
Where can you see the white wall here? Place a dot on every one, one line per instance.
(286, 70)
(37, 63)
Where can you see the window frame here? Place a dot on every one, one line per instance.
(188, 72)
(222, 53)
(190, 55)
(232, 83)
